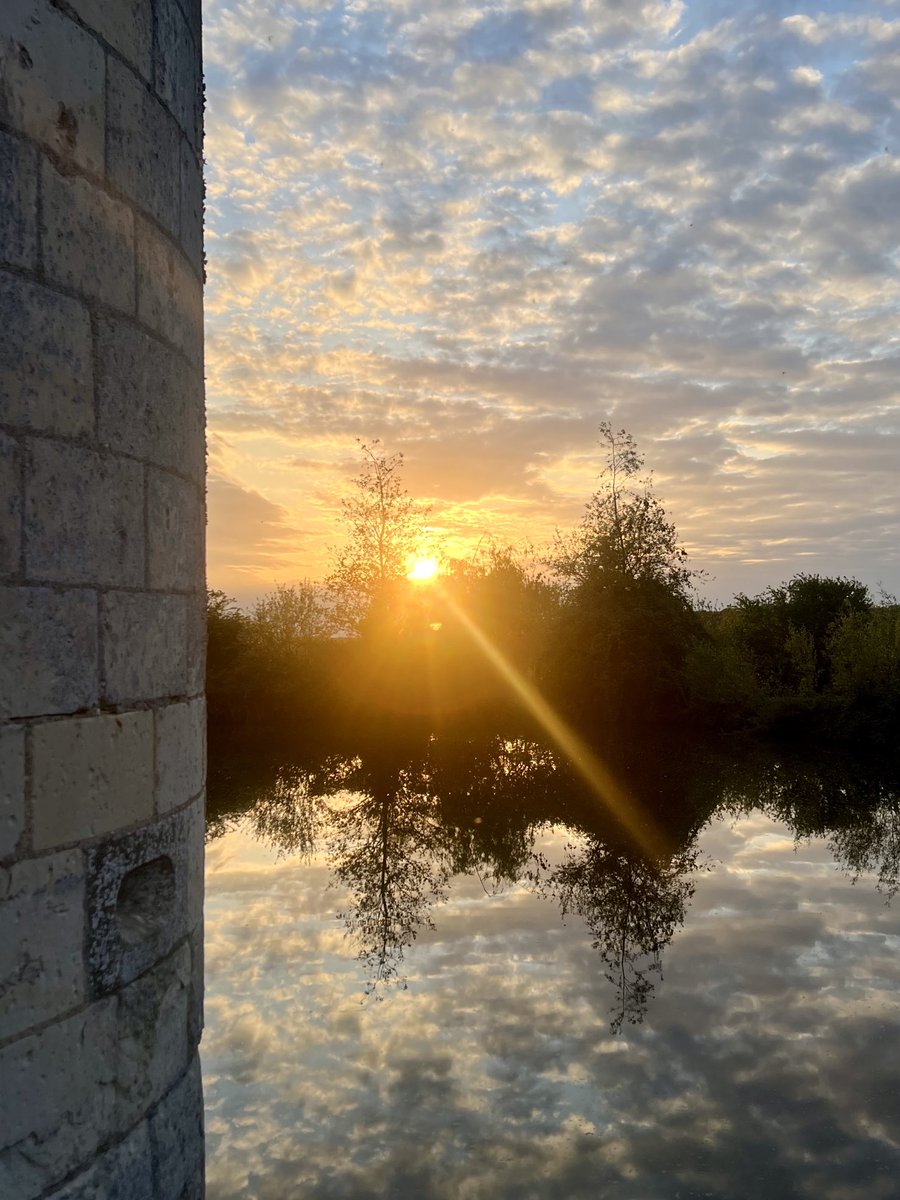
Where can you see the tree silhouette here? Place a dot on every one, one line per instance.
(624, 532)
(632, 907)
(387, 848)
(384, 531)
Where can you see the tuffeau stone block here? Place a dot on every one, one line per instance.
(174, 532)
(177, 70)
(126, 25)
(170, 297)
(48, 647)
(52, 82)
(88, 239)
(41, 931)
(84, 517)
(46, 373)
(12, 788)
(145, 646)
(150, 403)
(10, 505)
(58, 1101)
(144, 148)
(90, 776)
(18, 202)
(180, 757)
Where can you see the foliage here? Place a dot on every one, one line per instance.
(632, 908)
(786, 629)
(626, 622)
(289, 618)
(624, 533)
(513, 604)
(609, 637)
(384, 528)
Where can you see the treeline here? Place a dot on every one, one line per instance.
(603, 631)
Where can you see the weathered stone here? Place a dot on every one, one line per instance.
(196, 645)
(192, 199)
(57, 1100)
(52, 81)
(91, 775)
(123, 1173)
(152, 1047)
(180, 753)
(176, 1132)
(195, 1000)
(170, 297)
(143, 147)
(145, 646)
(18, 202)
(174, 532)
(117, 954)
(12, 789)
(193, 14)
(41, 930)
(84, 517)
(88, 241)
(126, 25)
(46, 378)
(101, 445)
(150, 403)
(10, 505)
(178, 79)
(48, 647)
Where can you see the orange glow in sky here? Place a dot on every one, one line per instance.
(476, 231)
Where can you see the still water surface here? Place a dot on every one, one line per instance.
(455, 981)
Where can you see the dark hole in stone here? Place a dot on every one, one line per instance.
(145, 901)
(67, 123)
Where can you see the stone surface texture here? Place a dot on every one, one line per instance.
(101, 599)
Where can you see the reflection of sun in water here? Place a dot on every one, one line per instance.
(423, 570)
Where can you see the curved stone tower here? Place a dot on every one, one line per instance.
(101, 599)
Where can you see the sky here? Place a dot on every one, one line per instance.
(475, 231)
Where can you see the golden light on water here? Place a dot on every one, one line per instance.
(423, 570)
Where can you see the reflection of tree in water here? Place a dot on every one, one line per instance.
(398, 827)
(872, 845)
(388, 848)
(632, 907)
(856, 806)
(493, 802)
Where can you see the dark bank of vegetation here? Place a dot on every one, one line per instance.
(603, 631)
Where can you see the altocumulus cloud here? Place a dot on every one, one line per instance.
(474, 231)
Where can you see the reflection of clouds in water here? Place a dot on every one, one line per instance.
(762, 1065)
(493, 1074)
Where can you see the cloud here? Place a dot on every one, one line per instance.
(532, 216)
(249, 538)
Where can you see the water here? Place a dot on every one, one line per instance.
(455, 979)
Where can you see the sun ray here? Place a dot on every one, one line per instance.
(603, 784)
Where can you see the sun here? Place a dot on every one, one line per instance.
(423, 570)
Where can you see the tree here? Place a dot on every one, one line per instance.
(787, 630)
(624, 533)
(626, 621)
(290, 617)
(385, 530)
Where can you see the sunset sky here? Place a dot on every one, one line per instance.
(475, 231)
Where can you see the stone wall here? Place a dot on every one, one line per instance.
(101, 599)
